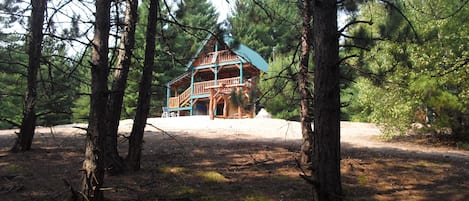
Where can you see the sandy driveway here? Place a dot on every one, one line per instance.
(353, 134)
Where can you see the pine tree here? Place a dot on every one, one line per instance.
(93, 165)
(114, 163)
(28, 123)
(326, 147)
(144, 96)
(304, 87)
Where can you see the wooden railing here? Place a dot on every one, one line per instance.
(184, 97)
(216, 57)
(229, 81)
(200, 88)
(225, 56)
(175, 102)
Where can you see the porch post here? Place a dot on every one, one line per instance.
(241, 71)
(168, 94)
(225, 107)
(240, 111)
(216, 45)
(210, 105)
(192, 92)
(215, 83)
(216, 64)
(215, 75)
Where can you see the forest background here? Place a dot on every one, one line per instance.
(401, 64)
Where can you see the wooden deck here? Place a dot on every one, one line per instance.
(200, 88)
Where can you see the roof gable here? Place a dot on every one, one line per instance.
(244, 52)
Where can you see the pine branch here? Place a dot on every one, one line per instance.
(405, 18)
(353, 23)
(464, 3)
(13, 123)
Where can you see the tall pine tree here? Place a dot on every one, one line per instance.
(28, 123)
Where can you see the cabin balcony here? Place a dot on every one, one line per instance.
(216, 57)
(202, 89)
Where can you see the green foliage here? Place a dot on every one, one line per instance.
(12, 86)
(81, 109)
(80, 106)
(236, 98)
(55, 87)
(243, 100)
(403, 76)
(462, 145)
(404, 68)
(253, 26)
(175, 47)
(280, 96)
(391, 109)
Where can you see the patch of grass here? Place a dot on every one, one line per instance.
(362, 180)
(422, 163)
(197, 194)
(426, 163)
(212, 176)
(462, 145)
(377, 160)
(13, 168)
(257, 198)
(186, 191)
(210, 198)
(173, 170)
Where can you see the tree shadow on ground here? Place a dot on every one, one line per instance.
(184, 167)
(395, 174)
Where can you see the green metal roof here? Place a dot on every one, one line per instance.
(246, 53)
(252, 57)
(241, 50)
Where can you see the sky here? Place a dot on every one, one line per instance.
(223, 8)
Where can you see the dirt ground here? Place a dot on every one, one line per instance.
(200, 162)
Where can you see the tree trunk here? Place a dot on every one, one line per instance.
(28, 124)
(304, 88)
(143, 104)
(114, 163)
(93, 165)
(326, 149)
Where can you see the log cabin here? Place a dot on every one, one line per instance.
(219, 81)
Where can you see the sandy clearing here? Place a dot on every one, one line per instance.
(275, 129)
(353, 134)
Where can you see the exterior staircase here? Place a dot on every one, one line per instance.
(182, 100)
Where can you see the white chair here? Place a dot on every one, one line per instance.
(165, 112)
